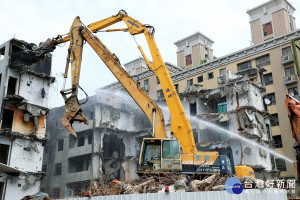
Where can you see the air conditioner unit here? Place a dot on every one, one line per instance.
(221, 79)
(290, 79)
(287, 59)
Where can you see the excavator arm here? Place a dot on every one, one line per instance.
(79, 33)
(293, 108)
(180, 125)
(149, 107)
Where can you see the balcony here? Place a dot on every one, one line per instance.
(287, 59)
(79, 176)
(193, 88)
(251, 72)
(288, 80)
(78, 151)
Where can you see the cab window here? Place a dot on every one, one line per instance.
(171, 149)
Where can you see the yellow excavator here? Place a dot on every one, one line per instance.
(158, 154)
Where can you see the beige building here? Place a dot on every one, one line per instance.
(271, 19)
(194, 50)
(272, 61)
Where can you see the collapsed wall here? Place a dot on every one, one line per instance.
(238, 106)
(24, 88)
(106, 149)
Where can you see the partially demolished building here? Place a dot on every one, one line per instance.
(236, 105)
(106, 149)
(24, 87)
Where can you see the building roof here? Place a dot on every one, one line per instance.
(197, 33)
(138, 58)
(261, 5)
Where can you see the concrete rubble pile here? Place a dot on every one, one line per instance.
(157, 183)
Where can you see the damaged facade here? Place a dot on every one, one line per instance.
(106, 149)
(24, 87)
(236, 105)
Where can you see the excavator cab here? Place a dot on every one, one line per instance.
(160, 155)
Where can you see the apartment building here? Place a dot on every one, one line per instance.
(24, 88)
(271, 61)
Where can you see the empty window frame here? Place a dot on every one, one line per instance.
(287, 51)
(268, 79)
(4, 150)
(222, 72)
(58, 167)
(210, 75)
(79, 166)
(176, 88)
(189, 82)
(263, 61)
(267, 29)
(12, 84)
(2, 55)
(200, 79)
(80, 141)
(277, 141)
(60, 145)
(72, 141)
(160, 94)
(79, 163)
(90, 138)
(280, 164)
(8, 116)
(146, 82)
(193, 109)
(244, 65)
(272, 99)
(289, 71)
(291, 19)
(274, 120)
(188, 60)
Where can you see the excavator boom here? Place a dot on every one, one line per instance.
(293, 108)
(78, 33)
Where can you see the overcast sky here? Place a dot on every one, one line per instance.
(224, 21)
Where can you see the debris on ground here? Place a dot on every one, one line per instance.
(37, 196)
(157, 183)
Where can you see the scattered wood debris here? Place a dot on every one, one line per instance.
(157, 183)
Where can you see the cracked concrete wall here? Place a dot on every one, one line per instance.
(107, 116)
(253, 96)
(27, 155)
(251, 116)
(34, 89)
(14, 189)
(24, 89)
